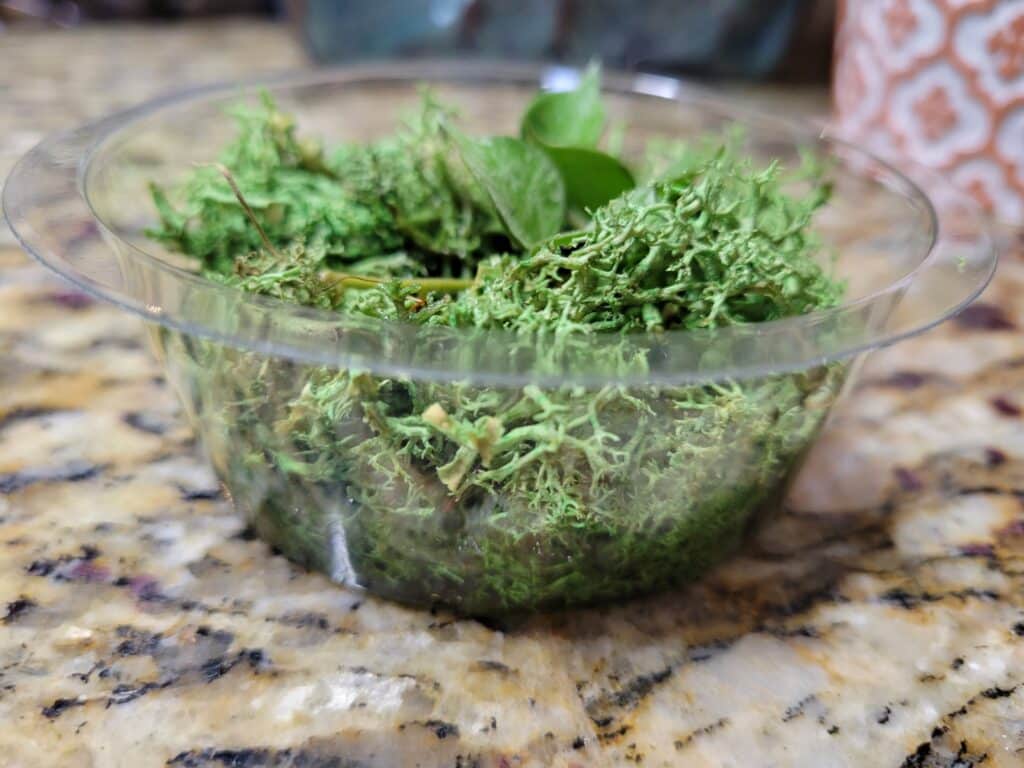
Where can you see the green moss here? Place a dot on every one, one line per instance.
(487, 498)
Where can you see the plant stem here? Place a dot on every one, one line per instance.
(446, 284)
(223, 170)
(426, 284)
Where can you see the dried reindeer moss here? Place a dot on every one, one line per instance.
(497, 499)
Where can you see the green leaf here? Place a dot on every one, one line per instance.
(591, 177)
(568, 119)
(521, 181)
(568, 126)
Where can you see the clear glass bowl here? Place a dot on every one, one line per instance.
(618, 467)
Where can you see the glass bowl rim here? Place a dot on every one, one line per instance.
(88, 141)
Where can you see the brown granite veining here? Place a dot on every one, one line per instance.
(879, 622)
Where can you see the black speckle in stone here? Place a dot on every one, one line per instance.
(219, 666)
(799, 604)
(1018, 629)
(797, 710)
(16, 609)
(963, 594)
(805, 631)
(60, 706)
(246, 534)
(612, 735)
(304, 620)
(144, 422)
(907, 479)
(906, 380)
(136, 642)
(75, 473)
(84, 677)
(902, 598)
(219, 636)
(957, 662)
(884, 716)
(493, 666)
(977, 550)
(46, 566)
(42, 567)
(919, 756)
(216, 668)
(260, 758)
(995, 457)
(602, 722)
(13, 481)
(70, 473)
(699, 653)
(256, 658)
(964, 760)
(578, 743)
(23, 414)
(122, 694)
(442, 729)
(639, 687)
(145, 588)
(959, 712)
(200, 494)
(998, 693)
(1005, 407)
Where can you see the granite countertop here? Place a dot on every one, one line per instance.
(878, 622)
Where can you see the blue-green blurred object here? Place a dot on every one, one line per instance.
(708, 37)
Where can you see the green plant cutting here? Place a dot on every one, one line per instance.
(497, 498)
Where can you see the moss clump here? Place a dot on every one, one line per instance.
(496, 499)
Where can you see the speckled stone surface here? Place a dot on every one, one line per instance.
(879, 622)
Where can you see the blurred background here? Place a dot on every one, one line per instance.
(777, 39)
(933, 82)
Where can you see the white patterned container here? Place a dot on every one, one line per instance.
(941, 83)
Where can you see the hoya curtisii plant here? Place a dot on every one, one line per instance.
(496, 498)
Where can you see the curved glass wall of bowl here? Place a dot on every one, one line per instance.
(306, 414)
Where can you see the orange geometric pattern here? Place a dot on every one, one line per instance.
(901, 19)
(939, 83)
(935, 112)
(1007, 46)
